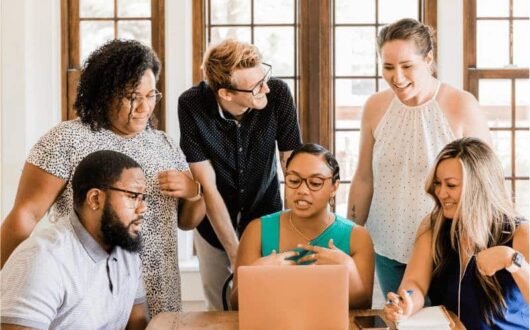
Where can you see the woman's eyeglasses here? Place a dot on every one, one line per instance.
(314, 183)
(137, 100)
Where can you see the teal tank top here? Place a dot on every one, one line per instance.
(339, 230)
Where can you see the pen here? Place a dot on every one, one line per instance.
(409, 293)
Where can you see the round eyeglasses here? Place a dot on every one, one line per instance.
(314, 183)
(137, 100)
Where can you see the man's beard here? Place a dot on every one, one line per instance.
(116, 233)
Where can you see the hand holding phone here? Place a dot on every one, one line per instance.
(372, 322)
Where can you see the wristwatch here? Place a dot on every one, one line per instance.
(517, 262)
(199, 193)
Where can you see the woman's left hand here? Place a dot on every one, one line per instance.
(326, 256)
(490, 261)
(175, 183)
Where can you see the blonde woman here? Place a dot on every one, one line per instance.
(403, 128)
(471, 252)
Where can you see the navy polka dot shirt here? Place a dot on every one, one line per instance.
(241, 153)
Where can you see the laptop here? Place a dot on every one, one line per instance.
(293, 297)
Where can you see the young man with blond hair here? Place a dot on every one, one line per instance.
(230, 125)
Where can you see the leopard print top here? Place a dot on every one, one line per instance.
(60, 150)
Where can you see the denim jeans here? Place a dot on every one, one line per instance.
(389, 273)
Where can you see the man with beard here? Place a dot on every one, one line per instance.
(83, 272)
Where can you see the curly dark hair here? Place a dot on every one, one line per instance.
(110, 73)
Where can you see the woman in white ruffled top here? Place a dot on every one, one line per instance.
(403, 129)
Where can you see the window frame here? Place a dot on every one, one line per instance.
(315, 93)
(472, 75)
(427, 13)
(315, 67)
(70, 54)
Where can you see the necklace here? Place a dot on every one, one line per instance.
(298, 231)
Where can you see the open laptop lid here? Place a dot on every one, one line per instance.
(293, 297)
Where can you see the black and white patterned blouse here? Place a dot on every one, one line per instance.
(59, 152)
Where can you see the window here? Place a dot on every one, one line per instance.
(87, 24)
(496, 72)
(357, 73)
(324, 49)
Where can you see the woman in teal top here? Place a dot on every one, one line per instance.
(308, 233)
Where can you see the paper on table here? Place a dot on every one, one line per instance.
(429, 317)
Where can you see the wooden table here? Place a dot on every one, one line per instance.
(229, 320)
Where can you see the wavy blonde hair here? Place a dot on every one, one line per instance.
(221, 60)
(485, 216)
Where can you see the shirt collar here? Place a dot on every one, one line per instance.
(91, 246)
(221, 113)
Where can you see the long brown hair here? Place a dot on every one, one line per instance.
(485, 216)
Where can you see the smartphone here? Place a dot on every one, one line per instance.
(370, 322)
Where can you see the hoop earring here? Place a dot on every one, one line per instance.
(332, 201)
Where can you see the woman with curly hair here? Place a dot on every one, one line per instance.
(115, 100)
(471, 252)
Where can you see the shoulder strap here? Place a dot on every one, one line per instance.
(270, 233)
(439, 83)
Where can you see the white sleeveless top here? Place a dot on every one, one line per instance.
(407, 141)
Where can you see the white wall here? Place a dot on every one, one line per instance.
(451, 42)
(30, 85)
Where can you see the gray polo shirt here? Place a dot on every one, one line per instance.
(61, 278)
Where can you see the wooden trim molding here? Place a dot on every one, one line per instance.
(64, 59)
(429, 16)
(158, 43)
(470, 41)
(198, 12)
(316, 81)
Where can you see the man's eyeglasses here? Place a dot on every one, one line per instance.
(256, 89)
(134, 197)
(137, 100)
(314, 183)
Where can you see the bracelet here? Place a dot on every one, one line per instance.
(199, 193)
